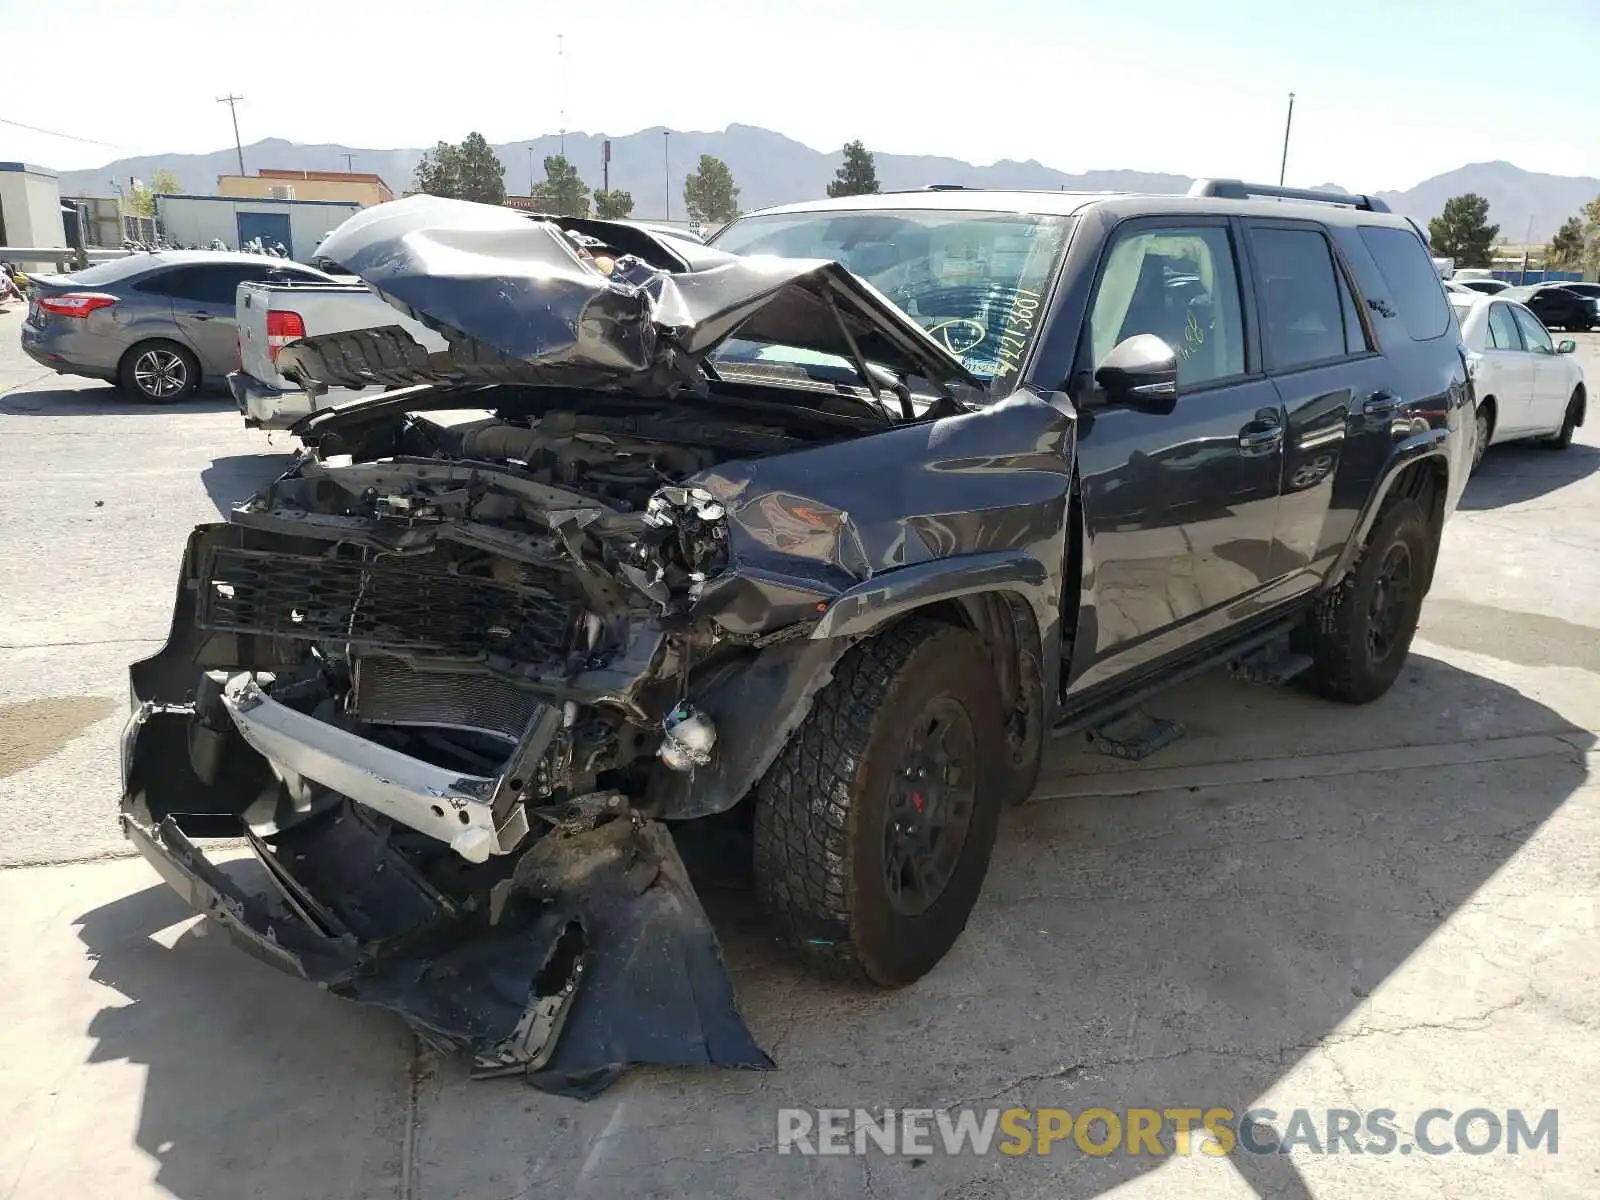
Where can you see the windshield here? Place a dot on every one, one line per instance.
(974, 280)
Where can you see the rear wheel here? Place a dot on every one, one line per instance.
(873, 829)
(1361, 632)
(161, 372)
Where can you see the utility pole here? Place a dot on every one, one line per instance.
(530, 171)
(349, 161)
(561, 77)
(605, 165)
(1283, 166)
(666, 167)
(231, 102)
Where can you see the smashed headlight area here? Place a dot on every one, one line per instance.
(457, 672)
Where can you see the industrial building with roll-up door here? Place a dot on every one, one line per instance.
(298, 224)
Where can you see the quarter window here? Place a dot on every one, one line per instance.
(1302, 310)
(1412, 278)
(1181, 285)
(1503, 333)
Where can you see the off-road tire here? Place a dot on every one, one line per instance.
(130, 361)
(821, 808)
(1335, 635)
(1569, 424)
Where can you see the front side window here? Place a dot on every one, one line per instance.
(1503, 328)
(1301, 311)
(976, 281)
(1533, 333)
(1180, 284)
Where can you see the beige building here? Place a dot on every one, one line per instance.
(358, 187)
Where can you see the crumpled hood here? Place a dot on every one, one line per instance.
(492, 279)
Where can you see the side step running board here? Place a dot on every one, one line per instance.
(1134, 736)
(1272, 664)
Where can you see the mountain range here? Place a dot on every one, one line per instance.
(770, 168)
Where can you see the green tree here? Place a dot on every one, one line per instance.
(1462, 231)
(709, 194)
(164, 183)
(481, 174)
(439, 172)
(1566, 247)
(561, 192)
(139, 200)
(612, 205)
(1591, 235)
(857, 175)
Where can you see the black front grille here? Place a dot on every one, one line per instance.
(388, 603)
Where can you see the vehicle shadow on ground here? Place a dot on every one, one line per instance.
(107, 401)
(235, 477)
(1519, 472)
(1183, 946)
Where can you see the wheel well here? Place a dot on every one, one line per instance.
(1428, 483)
(1005, 623)
(1487, 404)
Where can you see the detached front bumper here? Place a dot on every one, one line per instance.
(266, 407)
(565, 957)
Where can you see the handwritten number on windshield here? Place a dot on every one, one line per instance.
(1016, 327)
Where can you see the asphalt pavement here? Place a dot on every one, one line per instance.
(1300, 906)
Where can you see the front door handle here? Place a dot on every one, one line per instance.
(1263, 434)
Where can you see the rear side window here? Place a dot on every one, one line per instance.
(1302, 311)
(1503, 333)
(1403, 260)
(203, 284)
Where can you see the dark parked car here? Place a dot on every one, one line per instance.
(159, 325)
(813, 533)
(1557, 305)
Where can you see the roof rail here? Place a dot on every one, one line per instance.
(1234, 189)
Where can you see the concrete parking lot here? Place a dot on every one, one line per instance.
(1301, 906)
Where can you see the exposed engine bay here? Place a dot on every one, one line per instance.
(457, 673)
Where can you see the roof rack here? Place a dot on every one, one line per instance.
(1234, 189)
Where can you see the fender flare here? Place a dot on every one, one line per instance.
(1421, 447)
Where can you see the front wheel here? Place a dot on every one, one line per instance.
(1569, 424)
(1480, 445)
(873, 828)
(1361, 632)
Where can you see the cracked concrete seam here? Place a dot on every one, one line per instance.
(1469, 1024)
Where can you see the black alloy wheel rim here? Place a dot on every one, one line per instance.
(931, 801)
(1391, 599)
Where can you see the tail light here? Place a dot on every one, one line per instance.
(283, 327)
(75, 304)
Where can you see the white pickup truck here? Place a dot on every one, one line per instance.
(271, 315)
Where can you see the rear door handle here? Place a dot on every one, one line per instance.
(199, 315)
(1381, 405)
(1262, 434)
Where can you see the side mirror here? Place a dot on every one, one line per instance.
(1566, 346)
(1141, 372)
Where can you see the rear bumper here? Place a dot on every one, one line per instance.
(266, 407)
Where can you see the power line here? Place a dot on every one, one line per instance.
(64, 136)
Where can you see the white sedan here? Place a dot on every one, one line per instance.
(1526, 386)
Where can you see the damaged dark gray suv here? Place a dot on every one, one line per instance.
(817, 531)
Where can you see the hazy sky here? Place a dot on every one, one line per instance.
(1384, 94)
